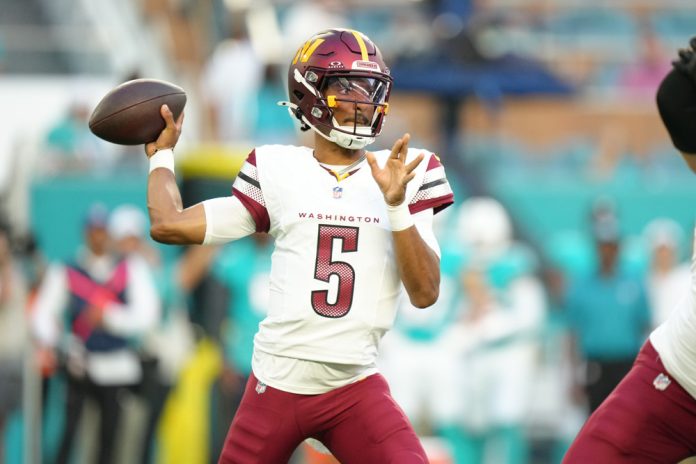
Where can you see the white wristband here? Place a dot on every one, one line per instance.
(399, 217)
(163, 158)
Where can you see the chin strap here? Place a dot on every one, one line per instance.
(339, 138)
(349, 141)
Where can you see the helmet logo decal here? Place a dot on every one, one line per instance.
(335, 64)
(306, 50)
(366, 65)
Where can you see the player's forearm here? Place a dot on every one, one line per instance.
(169, 222)
(419, 267)
(163, 203)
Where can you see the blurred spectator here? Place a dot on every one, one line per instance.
(608, 314)
(668, 275)
(398, 40)
(106, 298)
(230, 83)
(32, 262)
(416, 336)
(167, 348)
(311, 15)
(72, 146)
(244, 268)
(612, 147)
(12, 334)
(496, 340)
(641, 78)
(127, 226)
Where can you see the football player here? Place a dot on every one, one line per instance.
(350, 226)
(651, 415)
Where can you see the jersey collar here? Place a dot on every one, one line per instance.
(344, 171)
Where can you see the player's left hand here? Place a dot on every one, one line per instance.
(393, 177)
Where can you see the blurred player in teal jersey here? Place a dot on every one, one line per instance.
(495, 340)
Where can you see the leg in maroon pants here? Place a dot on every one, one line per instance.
(360, 423)
(370, 427)
(639, 423)
(264, 429)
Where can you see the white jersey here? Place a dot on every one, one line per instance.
(334, 281)
(675, 339)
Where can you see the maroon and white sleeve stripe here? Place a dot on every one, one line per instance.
(435, 191)
(247, 188)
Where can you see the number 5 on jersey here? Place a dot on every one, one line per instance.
(325, 267)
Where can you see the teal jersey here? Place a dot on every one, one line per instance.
(609, 315)
(170, 293)
(426, 325)
(244, 267)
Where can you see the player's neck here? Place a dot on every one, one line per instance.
(329, 153)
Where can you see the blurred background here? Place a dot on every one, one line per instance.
(567, 243)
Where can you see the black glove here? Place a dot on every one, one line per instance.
(687, 60)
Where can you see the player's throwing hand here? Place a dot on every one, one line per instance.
(395, 174)
(170, 135)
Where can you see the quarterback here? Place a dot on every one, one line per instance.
(651, 415)
(350, 226)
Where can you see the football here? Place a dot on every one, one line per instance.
(130, 113)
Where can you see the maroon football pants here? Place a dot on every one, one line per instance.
(359, 423)
(648, 418)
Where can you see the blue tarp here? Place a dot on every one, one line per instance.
(489, 79)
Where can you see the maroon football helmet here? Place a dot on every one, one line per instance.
(340, 67)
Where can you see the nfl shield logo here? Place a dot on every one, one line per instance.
(661, 382)
(260, 387)
(337, 192)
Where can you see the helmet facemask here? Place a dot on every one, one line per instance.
(356, 106)
(358, 99)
